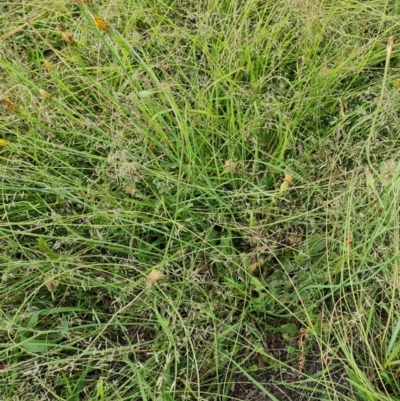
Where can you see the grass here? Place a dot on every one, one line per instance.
(199, 200)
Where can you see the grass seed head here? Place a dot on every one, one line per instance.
(154, 276)
(231, 166)
(388, 171)
(69, 40)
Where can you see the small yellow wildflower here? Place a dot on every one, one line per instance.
(48, 65)
(9, 104)
(286, 182)
(3, 142)
(396, 83)
(288, 179)
(101, 24)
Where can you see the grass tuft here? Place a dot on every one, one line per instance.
(199, 200)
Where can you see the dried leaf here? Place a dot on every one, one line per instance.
(50, 284)
(154, 276)
(369, 178)
(45, 94)
(232, 166)
(388, 170)
(294, 236)
(256, 264)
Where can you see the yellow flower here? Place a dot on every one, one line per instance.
(48, 65)
(3, 142)
(288, 179)
(9, 104)
(286, 182)
(101, 24)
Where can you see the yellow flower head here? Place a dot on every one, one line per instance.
(48, 65)
(101, 24)
(9, 104)
(288, 179)
(286, 182)
(3, 142)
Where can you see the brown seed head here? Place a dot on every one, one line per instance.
(66, 35)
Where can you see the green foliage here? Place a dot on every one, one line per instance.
(199, 200)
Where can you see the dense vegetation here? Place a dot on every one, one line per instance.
(199, 200)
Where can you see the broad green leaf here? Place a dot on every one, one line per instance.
(36, 346)
(46, 250)
(316, 245)
(289, 329)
